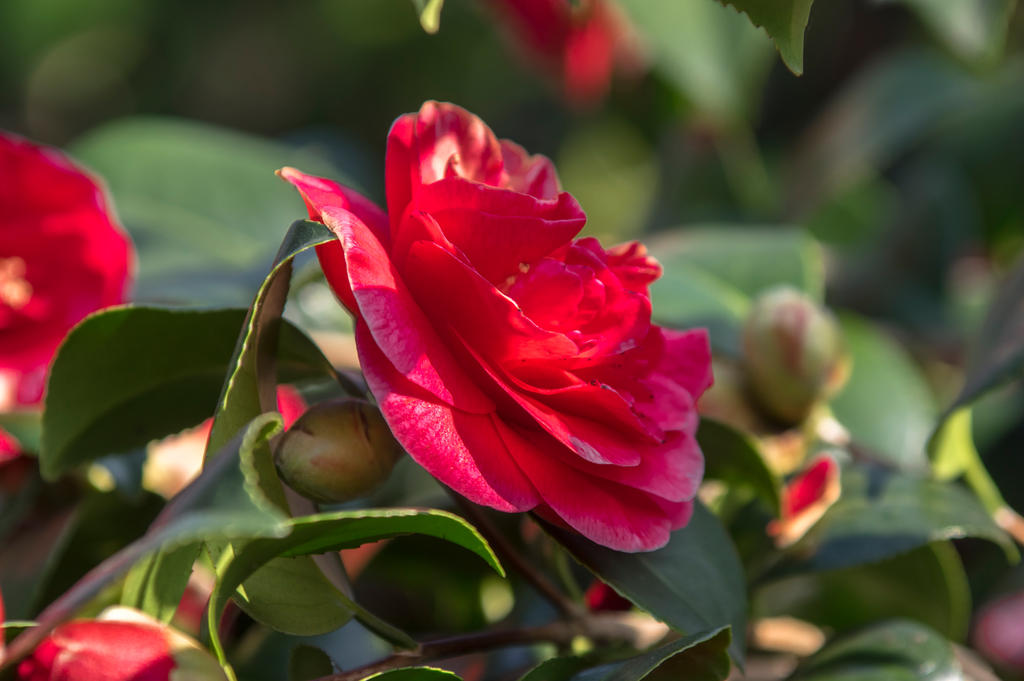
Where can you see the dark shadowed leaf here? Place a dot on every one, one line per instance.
(308, 662)
(732, 457)
(898, 650)
(415, 674)
(698, 657)
(694, 583)
(882, 513)
(927, 585)
(998, 352)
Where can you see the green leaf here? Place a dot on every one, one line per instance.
(202, 204)
(708, 52)
(415, 674)
(699, 657)
(128, 375)
(894, 651)
(883, 513)
(953, 455)
(156, 583)
(712, 272)
(749, 259)
(307, 663)
(785, 21)
(732, 457)
(223, 502)
(975, 30)
(886, 404)
(694, 583)
(246, 386)
(928, 585)
(329, 532)
(297, 596)
(997, 355)
(430, 14)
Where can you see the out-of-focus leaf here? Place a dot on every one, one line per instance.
(156, 583)
(998, 352)
(928, 585)
(128, 375)
(307, 663)
(883, 513)
(415, 674)
(430, 14)
(877, 117)
(886, 404)
(331, 532)
(202, 204)
(694, 583)
(975, 30)
(731, 456)
(898, 650)
(785, 21)
(749, 259)
(711, 273)
(223, 502)
(713, 56)
(699, 657)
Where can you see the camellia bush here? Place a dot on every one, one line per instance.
(624, 353)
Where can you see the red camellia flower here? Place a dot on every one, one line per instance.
(62, 256)
(123, 645)
(519, 366)
(581, 44)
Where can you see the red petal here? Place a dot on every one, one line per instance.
(399, 326)
(464, 451)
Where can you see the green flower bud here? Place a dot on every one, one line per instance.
(337, 451)
(792, 353)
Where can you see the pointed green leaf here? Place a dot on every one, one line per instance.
(694, 583)
(975, 30)
(415, 674)
(785, 21)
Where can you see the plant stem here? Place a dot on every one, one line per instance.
(509, 555)
(604, 628)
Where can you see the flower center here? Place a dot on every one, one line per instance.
(15, 291)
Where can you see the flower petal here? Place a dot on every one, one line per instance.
(398, 325)
(464, 451)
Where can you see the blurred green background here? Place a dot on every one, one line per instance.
(900, 151)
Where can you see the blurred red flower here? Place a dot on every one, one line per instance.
(805, 499)
(581, 44)
(62, 256)
(122, 645)
(519, 366)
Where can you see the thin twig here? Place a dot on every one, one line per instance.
(509, 555)
(602, 629)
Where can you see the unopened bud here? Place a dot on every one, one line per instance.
(792, 353)
(337, 451)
